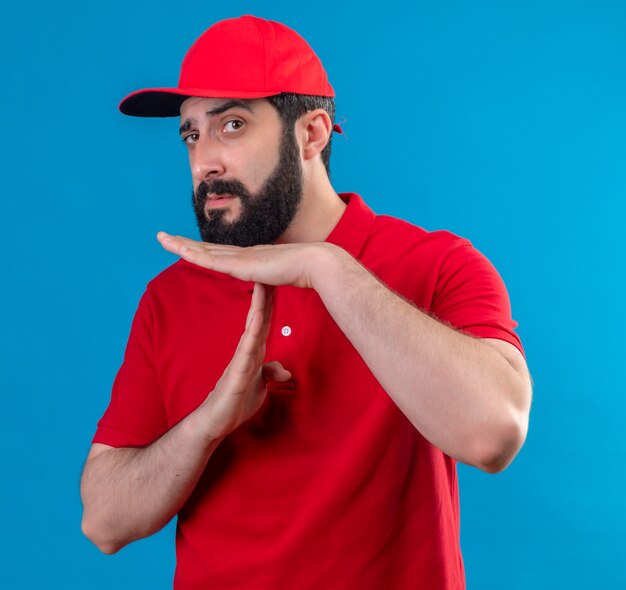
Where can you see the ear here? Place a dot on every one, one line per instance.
(315, 128)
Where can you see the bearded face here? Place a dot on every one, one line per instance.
(264, 215)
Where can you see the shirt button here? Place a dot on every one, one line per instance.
(286, 331)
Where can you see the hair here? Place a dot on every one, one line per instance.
(291, 107)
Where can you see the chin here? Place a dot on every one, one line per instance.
(229, 213)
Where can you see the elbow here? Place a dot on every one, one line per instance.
(105, 544)
(501, 442)
(496, 452)
(108, 549)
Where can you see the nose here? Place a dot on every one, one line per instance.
(206, 159)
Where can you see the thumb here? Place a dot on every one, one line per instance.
(274, 371)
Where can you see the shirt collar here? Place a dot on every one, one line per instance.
(353, 228)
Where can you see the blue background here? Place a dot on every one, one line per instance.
(504, 122)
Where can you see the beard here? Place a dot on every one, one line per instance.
(264, 216)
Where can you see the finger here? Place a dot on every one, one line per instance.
(175, 244)
(245, 361)
(241, 263)
(252, 341)
(268, 305)
(181, 245)
(262, 299)
(274, 371)
(257, 303)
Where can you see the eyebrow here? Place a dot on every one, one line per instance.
(218, 110)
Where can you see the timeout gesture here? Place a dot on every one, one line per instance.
(241, 389)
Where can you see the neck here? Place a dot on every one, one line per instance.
(320, 210)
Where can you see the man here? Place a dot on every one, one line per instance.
(317, 449)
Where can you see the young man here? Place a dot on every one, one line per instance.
(317, 449)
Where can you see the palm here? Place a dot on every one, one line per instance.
(241, 389)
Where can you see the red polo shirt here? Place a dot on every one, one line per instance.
(329, 485)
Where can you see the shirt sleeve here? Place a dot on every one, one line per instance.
(471, 296)
(136, 414)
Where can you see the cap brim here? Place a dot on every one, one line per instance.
(165, 102)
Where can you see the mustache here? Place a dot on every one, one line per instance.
(221, 187)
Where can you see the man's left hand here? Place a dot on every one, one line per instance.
(280, 264)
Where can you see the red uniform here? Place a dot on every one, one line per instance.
(329, 486)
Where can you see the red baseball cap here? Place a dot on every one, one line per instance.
(245, 57)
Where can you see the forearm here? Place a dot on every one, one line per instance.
(469, 398)
(461, 394)
(131, 493)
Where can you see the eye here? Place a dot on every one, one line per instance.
(191, 138)
(233, 125)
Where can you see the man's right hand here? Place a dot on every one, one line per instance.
(241, 389)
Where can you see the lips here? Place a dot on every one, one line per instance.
(214, 197)
(214, 201)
